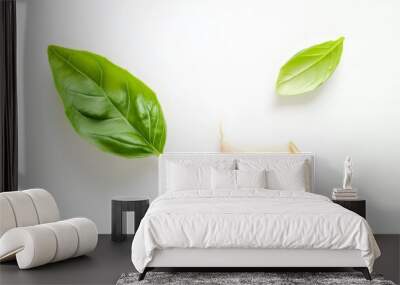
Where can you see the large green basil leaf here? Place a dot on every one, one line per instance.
(106, 104)
(309, 68)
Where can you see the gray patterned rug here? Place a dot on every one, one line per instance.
(269, 278)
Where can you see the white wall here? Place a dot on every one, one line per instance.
(211, 62)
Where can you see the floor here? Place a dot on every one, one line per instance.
(103, 266)
(110, 260)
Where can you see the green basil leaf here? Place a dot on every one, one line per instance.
(106, 104)
(309, 68)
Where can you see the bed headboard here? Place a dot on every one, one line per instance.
(164, 158)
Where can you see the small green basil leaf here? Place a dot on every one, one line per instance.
(309, 68)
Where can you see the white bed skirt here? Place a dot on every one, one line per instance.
(236, 257)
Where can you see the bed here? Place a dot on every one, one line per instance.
(247, 211)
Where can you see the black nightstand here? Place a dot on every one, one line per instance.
(119, 207)
(357, 206)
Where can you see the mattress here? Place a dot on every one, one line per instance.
(250, 219)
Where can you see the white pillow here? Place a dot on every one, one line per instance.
(251, 178)
(282, 174)
(237, 179)
(188, 177)
(288, 178)
(223, 179)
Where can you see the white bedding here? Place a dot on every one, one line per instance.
(251, 218)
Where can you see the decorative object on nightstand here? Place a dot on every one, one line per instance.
(358, 206)
(122, 204)
(348, 173)
(344, 194)
(347, 192)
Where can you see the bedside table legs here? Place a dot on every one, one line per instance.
(118, 222)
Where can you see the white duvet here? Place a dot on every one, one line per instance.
(250, 218)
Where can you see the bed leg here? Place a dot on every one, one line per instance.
(142, 275)
(364, 271)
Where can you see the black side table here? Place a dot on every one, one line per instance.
(119, 207)
(357, 206)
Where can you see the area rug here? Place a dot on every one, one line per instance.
(233, 278)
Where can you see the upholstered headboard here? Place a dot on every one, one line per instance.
(215, 157)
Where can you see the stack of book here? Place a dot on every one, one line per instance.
(344, 194)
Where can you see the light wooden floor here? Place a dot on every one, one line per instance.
(110, 260)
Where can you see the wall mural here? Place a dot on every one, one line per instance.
(230, 147)
(107, 105)
(309, 68)
(117, 112)
(304, 72)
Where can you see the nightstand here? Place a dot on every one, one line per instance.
(357, 206)
(119, 207)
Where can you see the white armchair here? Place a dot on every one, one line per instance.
(31, 230)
